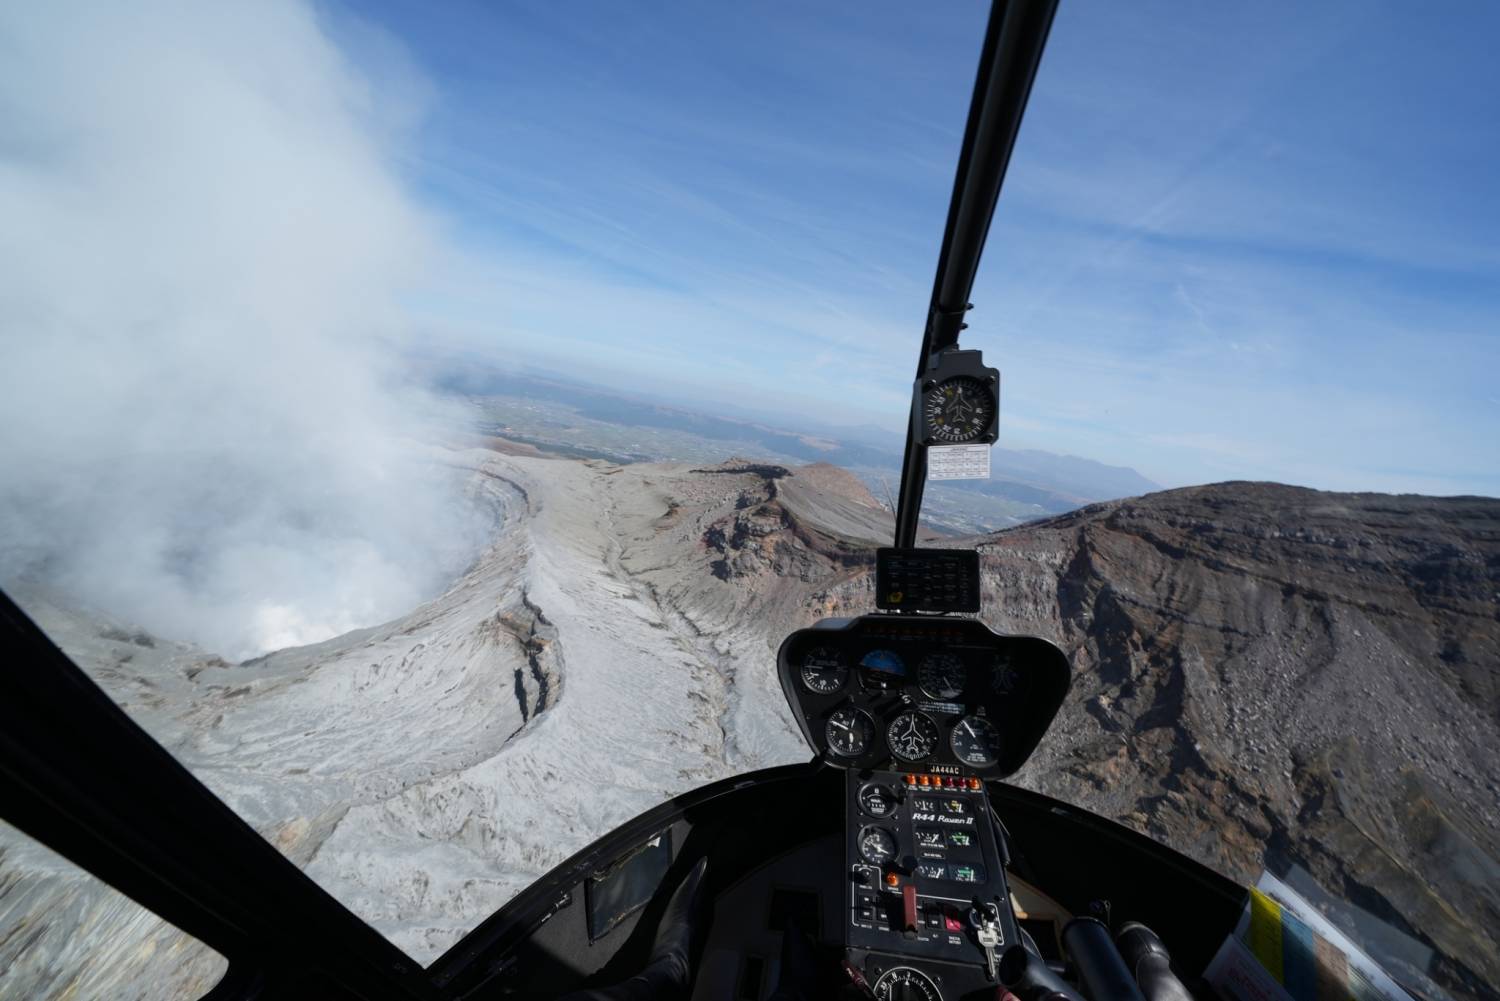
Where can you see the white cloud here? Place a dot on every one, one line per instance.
(201, 425)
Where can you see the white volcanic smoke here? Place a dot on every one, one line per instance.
(202, 427)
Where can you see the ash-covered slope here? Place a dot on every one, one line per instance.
(1263, 675)
(614, 646)
(1266, 675)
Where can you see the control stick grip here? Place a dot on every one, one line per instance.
(1147, 958)
(1102, 972)
(1023, 973)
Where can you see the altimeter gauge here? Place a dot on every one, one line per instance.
(849, 731)
(823, 671)
(912, 736)
(976, 742)
(942, 676)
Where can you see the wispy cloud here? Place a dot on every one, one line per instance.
(1205, 229)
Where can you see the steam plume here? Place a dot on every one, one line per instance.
(202, 423)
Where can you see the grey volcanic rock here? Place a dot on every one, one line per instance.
(587, 667)
(1272, 676)
(1263, 676)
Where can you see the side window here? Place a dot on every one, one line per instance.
(64, 934)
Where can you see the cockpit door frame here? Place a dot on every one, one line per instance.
(79, 776)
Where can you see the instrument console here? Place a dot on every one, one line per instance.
(919, 712)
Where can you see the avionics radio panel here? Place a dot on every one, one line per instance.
(924, 869)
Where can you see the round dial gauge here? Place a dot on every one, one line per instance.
(1005, 677)
(823, 671)
(849, 731)
(976, 741)
(877, 800)
(959, 409)
(912, 736)
(877, 845)
(881, 669)
(906, 984)
(942, 676)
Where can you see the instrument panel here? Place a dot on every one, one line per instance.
(921, 692)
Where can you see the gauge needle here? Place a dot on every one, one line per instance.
(970, 727)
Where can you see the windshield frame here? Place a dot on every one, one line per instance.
(80, 776)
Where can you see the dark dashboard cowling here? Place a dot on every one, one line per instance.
(919, 692)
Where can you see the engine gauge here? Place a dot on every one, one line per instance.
(877, 845)
(958, 410)
(877, 800)
(823, 671)
(849, 731)
(912, 736)
(906, 984)
(976, 741)
(942, 676)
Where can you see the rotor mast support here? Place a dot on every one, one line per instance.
(1008, 61)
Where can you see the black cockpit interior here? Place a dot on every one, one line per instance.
(895, 865)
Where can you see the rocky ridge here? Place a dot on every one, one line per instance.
(1264, 676)
(1267, 676)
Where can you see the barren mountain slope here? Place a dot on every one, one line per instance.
(1263, 674)
(427, 769)
(1266, 675)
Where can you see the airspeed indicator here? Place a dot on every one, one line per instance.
(823, 671)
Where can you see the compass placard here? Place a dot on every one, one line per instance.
(958, 462)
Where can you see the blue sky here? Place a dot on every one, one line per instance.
(1237, 241)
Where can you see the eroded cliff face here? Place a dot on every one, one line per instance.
(1263, 675)
(1271, 676)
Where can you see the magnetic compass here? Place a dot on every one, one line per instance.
(958, 400)
(958, 410)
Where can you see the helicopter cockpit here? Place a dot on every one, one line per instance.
(893, 863)
(917, 713)
(892, 870)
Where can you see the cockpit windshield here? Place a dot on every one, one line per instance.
(428, 423)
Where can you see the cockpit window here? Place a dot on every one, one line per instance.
(58, 921)
(429, 423)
